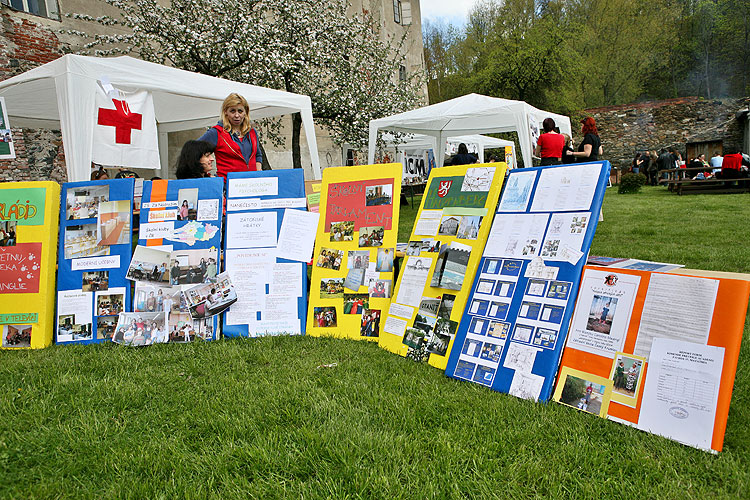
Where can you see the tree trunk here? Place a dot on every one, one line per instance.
(296, 128)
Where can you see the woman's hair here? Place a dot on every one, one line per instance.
(188, 164)
(184, 202)
(567, 139)
(589, 126)
(98, 174)
(548, 125)
(462, 149)
(235, 100)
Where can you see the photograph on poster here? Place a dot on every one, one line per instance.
(429, 306)
(498, 330)
(522, 333)
(209, 299)
(601, 313)
(446, 306)
(449, 225)
(468, 227)
(425, 323)
(370, 326)
(188, 200)
(414, 337)
(355, 303)
(379, 195)
(332, 288)
(385, 260)
(585, 393)
(95, 281)
(141, 328)
(371, 236)
(113, 223)
(626, 376)
(109, 304)
(342, 231)
(325, 317)
(450, 268)
(183, 328)
(491, 352)
(105, 327)
(430, 245)
(83, 202)
(81, 241)
(379, 289)
(358, 259)
(414, 248)
(68, 330)
(445, 327)
(5, 136)
(154, 298)
(8, 233)
(188, 267)
(438, 344)
(149, 264)
(330, 258)
(16, 336)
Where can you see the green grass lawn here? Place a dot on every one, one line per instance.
(262, 419)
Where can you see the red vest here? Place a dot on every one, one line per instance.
(229, 155)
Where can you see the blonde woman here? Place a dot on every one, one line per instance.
(236, 141)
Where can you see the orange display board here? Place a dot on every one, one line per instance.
(596, 360)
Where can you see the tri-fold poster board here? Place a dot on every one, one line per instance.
(28, 244)
(95, 248)
(441, 258)
(352, 268)
(657, 351)
(513, 327)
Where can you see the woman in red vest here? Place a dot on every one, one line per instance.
(236, 141)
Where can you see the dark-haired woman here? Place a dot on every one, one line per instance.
(196, 160)
(463, 157)
(590, 147)
(549, 146)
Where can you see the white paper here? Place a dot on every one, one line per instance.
(428, 223)
(565, 230)
(526, 385)
(413, 280)
(208, 210)
(478, 179)
(297, 235)
(249, 271)
(676, 307)
(234, 205)
(76, 302)
(520, 357)
(401, 310)
(256, 186)
(395, 326)
(518, 191)
(84, 264)
(280, 307)
(286, 280)
(272, 326)
(251, 230)
(162, 215)
(371, 273)
(538, 269)
(160, 204)
(516, 235)
(156, 230)
(681, 391)
(566, 188)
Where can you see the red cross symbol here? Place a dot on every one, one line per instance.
(122, 119)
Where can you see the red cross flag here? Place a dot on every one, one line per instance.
(125, 130)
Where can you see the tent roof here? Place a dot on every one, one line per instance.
(414, 141)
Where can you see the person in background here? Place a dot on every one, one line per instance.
(636, 165)
(463, 157)
(567, 157)
(590, 147)
(731, 167)
(653, 168)
(645, 164)
(196, 160)
(99, 175)
(549, 146)
(236, 141)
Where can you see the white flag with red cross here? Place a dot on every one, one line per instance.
(125, 129)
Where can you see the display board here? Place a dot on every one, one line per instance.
(444, 249)
(513, 327)
(657, 351)
(352, 273)
(28, 251)
(94, 252)
(183, 218)
(268, 243)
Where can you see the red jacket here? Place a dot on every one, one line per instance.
(732, 162)
(229, 156)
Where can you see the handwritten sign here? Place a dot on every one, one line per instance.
(348, 201)
(26, 206)
(19, 268)
(23, 318)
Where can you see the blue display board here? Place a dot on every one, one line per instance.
(184, 217)
(95, 247)
(256, 204)
(513, 329)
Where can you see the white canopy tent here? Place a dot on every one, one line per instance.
(469, 114)
(419, 141)
(61, 94)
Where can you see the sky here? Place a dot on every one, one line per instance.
(451, 11)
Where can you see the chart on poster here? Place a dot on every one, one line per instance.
(663, 366)
(352, 274)
(269, 241)
(28, 238)
(513, 327)
(441, 258)
(95, 249)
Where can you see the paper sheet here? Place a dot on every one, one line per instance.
(395, 326)
(526, 385)
(413, 280)
(83, 264)
(566, 188)
(354, 279)
(249, 272)
(401, 310)
(257, 186)
(280, 307)
(286, 279)
(520, 357)
(681, 390)
(75, 302)
(297, 235)
(428, 223)
(565, 230)
(676, 307)
(251, 230)
(208, 210)
(516, 235)
(518, 191)
(156, 230)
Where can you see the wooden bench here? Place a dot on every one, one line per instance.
(680, 181)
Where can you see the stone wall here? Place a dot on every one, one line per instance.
(630, 128)
(39, 157)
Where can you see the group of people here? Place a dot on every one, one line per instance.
(7, 237)
(733, 165)
(370, 324)
(330, 259)
(325, 317)
(555, 148)
(626, 379)
(201, 273)
(140, 332)
(355, 305)
(372, 239)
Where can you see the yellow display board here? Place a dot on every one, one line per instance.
(29, 213)
(441, 260)
(352, 268)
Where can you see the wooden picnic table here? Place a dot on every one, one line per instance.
(680, 180)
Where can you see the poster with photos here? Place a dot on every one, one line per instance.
(95, 250)
(353, 261)
(441, 258)
(513, 327)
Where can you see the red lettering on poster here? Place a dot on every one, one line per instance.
(20, 268)
(368, 203)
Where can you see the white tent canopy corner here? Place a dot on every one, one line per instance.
(61, 94)
(418, 141)
(469, 114)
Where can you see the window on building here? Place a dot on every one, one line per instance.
(397, 11)
(46, 8)
(402, 73)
